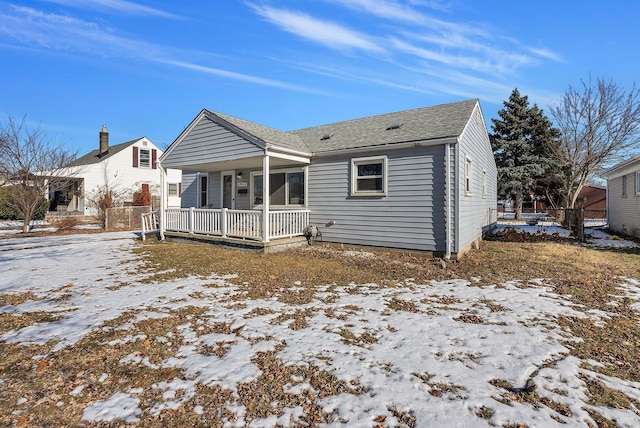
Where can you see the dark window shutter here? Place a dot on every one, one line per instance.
(179, 189)
(154, 157)
(135, 157)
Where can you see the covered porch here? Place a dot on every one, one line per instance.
(230, 204)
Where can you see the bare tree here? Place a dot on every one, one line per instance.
(599, 122)
(107, 195)
(29, 163)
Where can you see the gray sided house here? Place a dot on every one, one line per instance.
(623, 197)
(422, 179)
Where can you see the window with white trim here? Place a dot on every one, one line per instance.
(467, 176)
(204, 190)
(145, 158)
(369, 176)
(286, 188)
(484, 184)
(637, 182)
(172, 189)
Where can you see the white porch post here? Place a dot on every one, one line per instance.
(266, 192)
(163, 199)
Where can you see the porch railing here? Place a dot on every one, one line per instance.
(245, 224)
(149, 223)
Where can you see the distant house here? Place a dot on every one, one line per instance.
(422, 179)
(623, 197)
(128, 167)
(593, 199)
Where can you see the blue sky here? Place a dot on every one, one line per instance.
(146, 68)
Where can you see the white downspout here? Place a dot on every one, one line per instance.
(266, 192)
(448, 188)
(163, 199)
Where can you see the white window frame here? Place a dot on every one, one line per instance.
(355, 162)
(172, 189)
(146, 164)
(484, 184)
(468, 174)
(285, 171)
(202, 175)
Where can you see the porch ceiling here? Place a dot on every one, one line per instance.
(245, 163)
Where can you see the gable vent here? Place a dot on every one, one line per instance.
(394, 125)
(326, 136)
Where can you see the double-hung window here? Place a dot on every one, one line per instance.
(484, 184)
(145, 158)
(369, 176)
(467, 176)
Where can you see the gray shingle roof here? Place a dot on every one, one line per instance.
(421, 124)
(266, 134)
(93, 158)
(426, 123)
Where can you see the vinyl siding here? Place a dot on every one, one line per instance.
(474, 213)
(209, 142)
(189, 189)
(623, 213)
(410, 216)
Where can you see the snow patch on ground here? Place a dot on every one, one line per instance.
(437, 362)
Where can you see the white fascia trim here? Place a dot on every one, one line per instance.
(293, 158)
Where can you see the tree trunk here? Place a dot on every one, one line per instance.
(25, 225)
(518, 207)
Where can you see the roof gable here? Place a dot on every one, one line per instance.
(264, 135)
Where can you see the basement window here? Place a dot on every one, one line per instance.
(369, 176)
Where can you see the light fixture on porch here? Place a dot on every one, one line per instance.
(239, 175)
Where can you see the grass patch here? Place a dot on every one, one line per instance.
(10, 322)
(401, 305)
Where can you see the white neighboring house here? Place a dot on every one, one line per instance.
(623, 197)
(126, 168)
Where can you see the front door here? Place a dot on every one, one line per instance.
(228, 201)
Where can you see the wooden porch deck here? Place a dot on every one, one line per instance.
(234, 228)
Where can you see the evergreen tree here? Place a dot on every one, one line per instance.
(525, 146)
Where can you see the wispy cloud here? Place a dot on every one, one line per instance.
(482, 59)
(323, 32)
(394, 11)
(33, 29)
(122, 6)
(474, 46)
(238, 76)
(546, 53)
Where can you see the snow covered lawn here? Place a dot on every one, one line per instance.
(90, 333)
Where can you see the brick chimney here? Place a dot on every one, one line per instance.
(104, 141)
